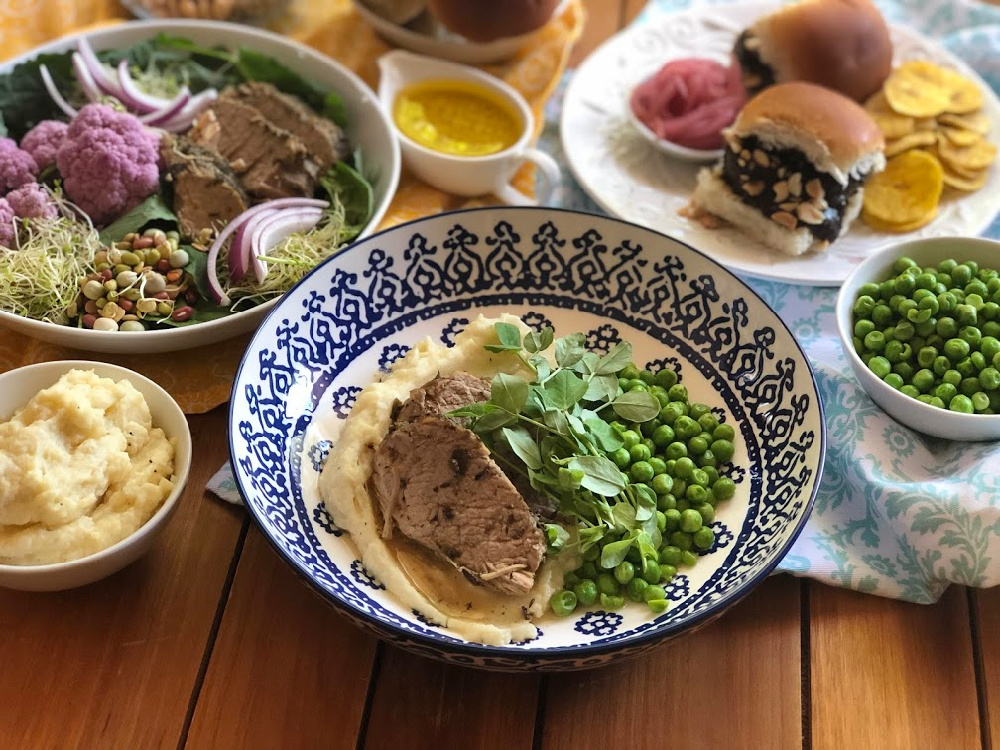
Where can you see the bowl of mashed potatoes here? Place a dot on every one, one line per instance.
(93, 458)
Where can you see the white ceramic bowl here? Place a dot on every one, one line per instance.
(445, 45)
(368, 128)
(924, 418)
(669, 148)
(17, 387)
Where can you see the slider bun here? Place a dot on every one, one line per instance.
(712, 194)
(487, 21)
(835, 133)
(397, 11)
(841, 44)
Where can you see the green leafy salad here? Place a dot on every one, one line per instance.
(168, 183)
(630, 464)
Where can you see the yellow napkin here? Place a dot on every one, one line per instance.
(200, 379)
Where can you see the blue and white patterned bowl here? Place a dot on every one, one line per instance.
(357, 313)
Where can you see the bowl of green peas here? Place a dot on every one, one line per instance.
(920, 326)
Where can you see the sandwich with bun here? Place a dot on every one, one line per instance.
(793, 172)
(841, 44)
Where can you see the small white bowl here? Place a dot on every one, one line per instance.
(683, 153)
(924, 418)
(17, 387)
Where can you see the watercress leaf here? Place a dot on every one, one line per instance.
(624, 515)
(557, 421)
(346, 185)
(547, 336)
(509, 337)
(616, 359)
(532, 342)
(589, 536)
(524, 446)
(601, 476)
(602, 388)
(607, 439)
(564, 389)
(540, 481)
(493, 421)
(586, 365)
(152, 211)
(509, 392)
(645, 499)
(473, 410)
(570, 349)
(636, 406)
(556, 537)
(576, 426)
(569, 480)
(614, 553)
(542, 367)
(647, 547)
(24, 101)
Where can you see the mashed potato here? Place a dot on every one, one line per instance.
(81, 468)
(436, 590)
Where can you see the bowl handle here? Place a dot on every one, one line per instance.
(548, 170)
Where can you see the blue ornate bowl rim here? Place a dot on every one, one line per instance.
(527, 653)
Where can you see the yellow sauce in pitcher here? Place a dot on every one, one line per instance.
(457, 117)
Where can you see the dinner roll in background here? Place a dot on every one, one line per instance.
(487, 21)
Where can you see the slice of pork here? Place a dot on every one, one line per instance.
(444, 394)
(270, 162)
(325, 141)
(435, 483)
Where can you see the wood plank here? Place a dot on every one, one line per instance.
(286, 671)
(421, 703)
(113, 664)
(603, 20)
(734, 684)
(887, 673)
(988, 605)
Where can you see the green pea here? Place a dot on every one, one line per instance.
(678, 392)
(699, 410)
(666, 378)
(978, 361)
(630, 438)
(946, 300)
(880, 366)
(904, 284)
(923, 380)
(956, 349)
(961, 404)
(630, 372)
(666, 502)
(904, 330)
(904, 369)
(946, 327)
(621, 458)
(641, 471)
(639, 452)
(941, 365)
(954, 377)
(875, 341)
(968, 386)
(935, 401)
(659, 466)
(706, 511)
(563, 602)
(863, 306)
(686, 427)
(646, 377)
(636, 589)
(680, 487)
(909, 390)
(893, 381)
(637, 385)
(946, 392)
(978, 289)
(588, 570)
(925, 357)
(989, 378)
(966, 367)
(607, 583)
(670, 555)
(925, 327)
(708, 422)
(894, 351)
(651, 572)
(930, 303)
(934, 341)
(648, 428)
(863, 327)
(682, 540)
(947, 265)
(683, 468)
(676, 451)
(961, 275)
(980, 401)
(724, 488)
(586, 592)
(655, 593)
(723, 450)
(699, 478)
(663, 436)
(902, 263)
(673, 517)
(667, 572)
(624, 572)
(924, 398)
(696, 494)
(966, 315)
(673, 411)
(704, 538)
(658, 606)
(591, 553)
(989, 346)
(612, 602)
(697, 445)
(712, 473)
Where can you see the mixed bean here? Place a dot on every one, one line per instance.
(677, 455)
(934, 333)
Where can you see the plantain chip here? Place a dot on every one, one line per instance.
(926, 123)
(977, 156)
(918, 88)
(906, 191)
(976, 122)
(961, 138)
(913, 140)
(963, 182)
(899, 228)
(893, 126)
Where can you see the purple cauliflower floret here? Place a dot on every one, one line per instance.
(7, 228)
(17, 167)
(108, 162)
(32, 201)
(43, 140)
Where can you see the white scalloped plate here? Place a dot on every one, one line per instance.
(631, 179)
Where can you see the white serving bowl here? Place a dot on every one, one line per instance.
(924, 418)
(675, 150)
(368, 129)
(19, 386)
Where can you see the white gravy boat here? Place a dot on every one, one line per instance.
(465, 175)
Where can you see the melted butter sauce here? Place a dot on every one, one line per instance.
(457, 118)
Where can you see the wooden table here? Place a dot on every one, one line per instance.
(212, 642)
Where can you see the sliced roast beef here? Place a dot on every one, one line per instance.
(435, 482)
(444, 394)
(271, 162)
(207, 194)
(325, 141)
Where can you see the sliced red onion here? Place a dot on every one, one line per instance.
(214, 287)
(274, 229)
(170, 111)
(241, 248)
(85, 78)
(103, 78)
(135, 98)
(183, 119)
(50, 86)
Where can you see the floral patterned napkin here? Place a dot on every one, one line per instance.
(898, 514)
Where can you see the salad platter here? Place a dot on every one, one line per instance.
(194, 172)
(631, 178)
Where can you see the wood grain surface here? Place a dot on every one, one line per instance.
(988, 611)
(887, 674)
(114, 664)
(734, 684)
(286, 670)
